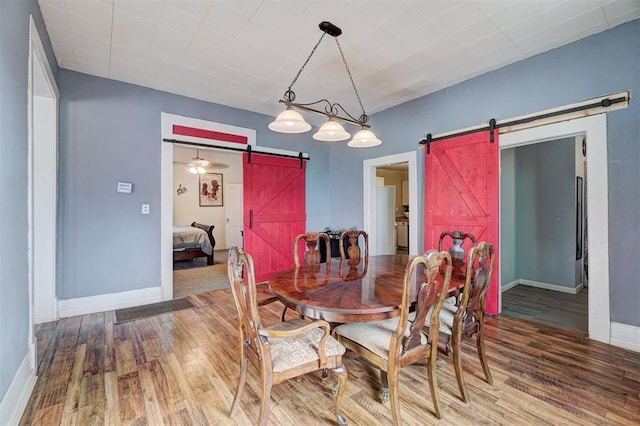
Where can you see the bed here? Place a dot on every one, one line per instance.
(190, 242)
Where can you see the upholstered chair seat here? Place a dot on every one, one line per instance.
(290, 352)
(375, 335)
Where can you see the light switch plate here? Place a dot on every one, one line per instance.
(145, 209)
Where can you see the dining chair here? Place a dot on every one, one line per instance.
(394, 343)
(464, 316)
(282, 351)
(311, 254)
(455, 242)
(353, 251)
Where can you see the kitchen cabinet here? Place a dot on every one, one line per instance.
(405, 192)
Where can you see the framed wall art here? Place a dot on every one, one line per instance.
(211, 190)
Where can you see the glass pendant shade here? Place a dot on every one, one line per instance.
(331, 131)
(289, 121)
(364, 139)
(197, 165)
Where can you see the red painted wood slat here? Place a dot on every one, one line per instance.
(274, 211)
(209, 134)
(461, 192)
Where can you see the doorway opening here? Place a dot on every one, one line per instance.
(42, 166)
(594, 128)
(393, 171)
(392, 208)
(283, 164)
(543, 233)
(222, 210)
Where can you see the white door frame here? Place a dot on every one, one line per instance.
(42, 166)
(369, 195)
(595, 128)
(168, 123)
(231, 190)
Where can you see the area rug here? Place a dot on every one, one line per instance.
(195, 276)
(144, 311)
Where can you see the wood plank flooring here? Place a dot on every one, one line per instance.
(563, 310)
(181, 368)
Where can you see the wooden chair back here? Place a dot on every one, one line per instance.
(468, 314)
(353, 253)
(270, 349)
(479, 271)
(431, 295)
(311, 253)
(457, 243)
(408, 341)
(243, 289)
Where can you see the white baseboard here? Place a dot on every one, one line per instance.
(554, 287)
(625, 336)
(17, 396)
(509, 286)
(108, 302)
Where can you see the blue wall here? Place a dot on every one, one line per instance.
(537, 213)
(110, 132)
(103, 122)
(545, 212)
(601, 64)
(508, 197)
(14, 290)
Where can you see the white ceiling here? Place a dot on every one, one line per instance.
(244, 53)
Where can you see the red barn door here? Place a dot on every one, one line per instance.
(461, 192)
(274, 211)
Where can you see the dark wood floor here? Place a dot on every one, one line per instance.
(549, 307)
(182, 368)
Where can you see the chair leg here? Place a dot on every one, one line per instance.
(394, 394)
(265, 401)
(284, 311)
(384, 387)
(341, 373)
(433, 382)
(456, 343)
(241, 381)
(481, 353)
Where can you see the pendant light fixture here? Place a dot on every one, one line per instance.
(331, 131)
(197, 166)
(291, 121)
(364, 139)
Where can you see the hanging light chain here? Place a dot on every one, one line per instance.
(364, 117)
(289, 95)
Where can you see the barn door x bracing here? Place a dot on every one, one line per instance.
(462, 192)
(274, 211)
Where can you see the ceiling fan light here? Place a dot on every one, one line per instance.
(289, 121)
(331, 131)
(364, 139)
(197, 164)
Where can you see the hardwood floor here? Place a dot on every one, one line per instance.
(563, 310)
(182, 368)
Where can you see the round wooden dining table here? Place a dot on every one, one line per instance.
(342, 292)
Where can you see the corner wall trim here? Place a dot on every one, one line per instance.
(625, 336)
(509, 286)
(554, 287)
(17, 396)
(108, 302)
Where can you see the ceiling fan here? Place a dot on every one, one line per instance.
(199, 165)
